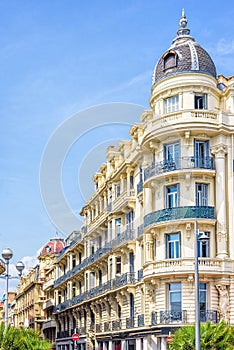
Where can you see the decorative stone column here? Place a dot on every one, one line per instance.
(149, 245)
(220, 151)
(147, 200)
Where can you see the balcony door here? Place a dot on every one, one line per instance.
(171, 155)
(202, 153)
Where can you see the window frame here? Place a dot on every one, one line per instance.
(171, 104)
(176, 243)
(172, 198)
(172, 292)
(201, 195)
(200, 101)
(203, 248)
(118, 265)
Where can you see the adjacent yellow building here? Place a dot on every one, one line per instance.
(32, 299)
(127, 279)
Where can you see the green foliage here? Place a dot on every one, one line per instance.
(21, 339)
(212, 337)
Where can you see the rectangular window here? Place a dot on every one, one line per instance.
(175, 297)
(106, 236)
(172, 196)
(80, 257)
(110, 195)
(73, 261)
(200, 101)
(129, 219)
(201, 194)
(92, 279)
(173, 245)
(92, 246)
(155, 248)
(118, 265)
(203, 296)
(131, 182)
(117, 226)
(99, 242)
(202, 154)
(171, 156)
(110, 269)
(171, 104)
(110, 232)
(73, 289)
(203, 248)
(117, 190)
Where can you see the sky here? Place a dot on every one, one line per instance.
(60, 60)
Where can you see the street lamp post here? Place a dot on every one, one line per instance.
(198, 237)
(7, 254)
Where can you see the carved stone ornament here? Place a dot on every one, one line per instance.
(223, 302)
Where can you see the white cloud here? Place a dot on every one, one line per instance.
(225, 47)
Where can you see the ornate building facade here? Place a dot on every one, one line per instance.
(33, 300)
(127, 279)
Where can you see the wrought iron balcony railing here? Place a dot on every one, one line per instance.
(141, 320)
(178, 213)
(179, 164)
(130, 322)
(116, 325)
(107, 326)
(154, 318)
(98, 328)
(127, 235)
(63, 334)
(173, 316)
(125, 279)
(209, 316)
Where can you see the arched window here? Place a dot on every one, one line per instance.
(170, 60)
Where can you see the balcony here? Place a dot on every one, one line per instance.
(127, 235)
(179, 213)
(209, 316)
(183, 163)
(98, 328)
(107, 327)
(123, 200)
(48, 324)
(130, 322)
(116, 325)
(122, 238)
(173, 316)
(141, 320)
(120, 281)
(209, 266)
(63, 334)
(48, 303)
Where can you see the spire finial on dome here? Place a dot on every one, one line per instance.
(183, 25)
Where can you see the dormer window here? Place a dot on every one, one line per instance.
(48, 249)
(170, 60)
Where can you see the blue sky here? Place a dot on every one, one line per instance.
(60, 57)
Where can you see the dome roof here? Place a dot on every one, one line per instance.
(54, 246)
(184, 55)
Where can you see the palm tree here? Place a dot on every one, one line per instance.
(21, 339)
(212, 337)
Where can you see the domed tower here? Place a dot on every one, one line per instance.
(184, 56)
(50, 251)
